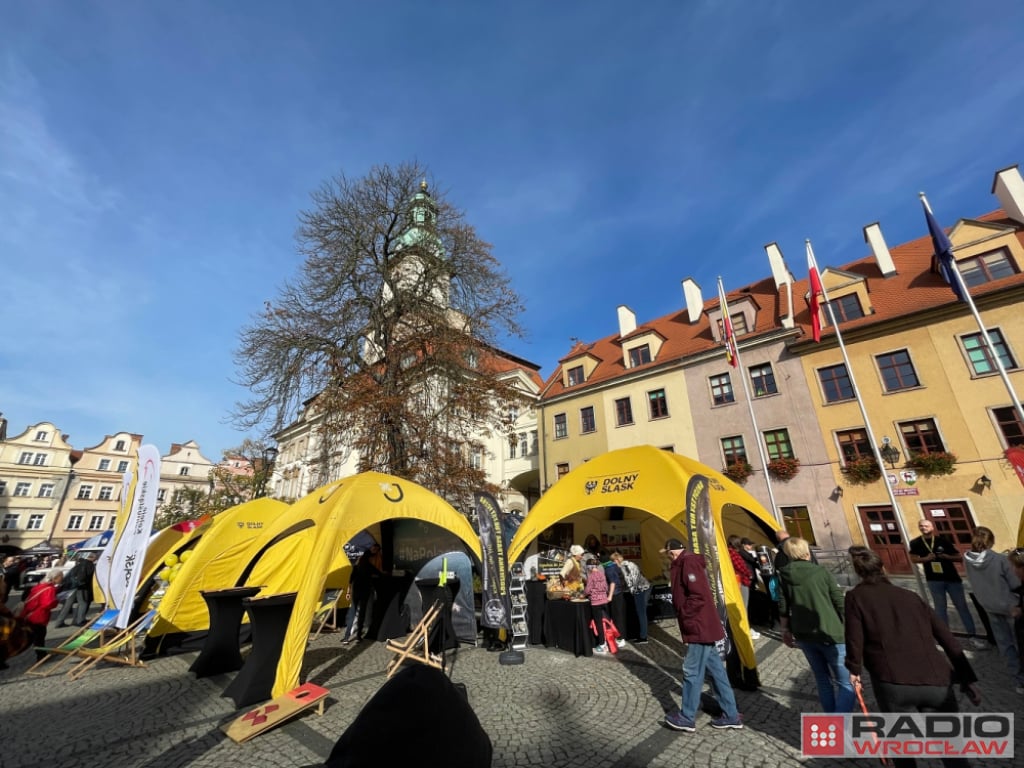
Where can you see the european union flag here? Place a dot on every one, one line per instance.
(943, 252)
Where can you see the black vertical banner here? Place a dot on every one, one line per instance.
(497, 608)
(700, 531)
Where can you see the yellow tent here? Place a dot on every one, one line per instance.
(216, 562)
(670, 489)
(339, 511)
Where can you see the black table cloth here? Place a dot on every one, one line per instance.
(567, 626)
(442, 635)
(221, 650)
(389, 619)
(269, 616)
(536, 600)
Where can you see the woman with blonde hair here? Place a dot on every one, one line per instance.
(811, 613)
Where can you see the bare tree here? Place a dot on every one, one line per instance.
(389, 332)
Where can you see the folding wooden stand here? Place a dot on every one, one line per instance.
(416, 645)
(266, 716)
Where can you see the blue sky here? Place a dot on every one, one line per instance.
(153, 159)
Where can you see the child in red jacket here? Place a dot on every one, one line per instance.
(38, 605)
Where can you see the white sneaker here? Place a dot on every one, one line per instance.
(755, 635)
(621, 643)
(978, 644)
(601, 649)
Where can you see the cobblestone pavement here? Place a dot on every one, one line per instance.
(554, 710)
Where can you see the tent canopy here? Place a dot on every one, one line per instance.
(655, 481)
(339, 511)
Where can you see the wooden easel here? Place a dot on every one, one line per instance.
(416, 645)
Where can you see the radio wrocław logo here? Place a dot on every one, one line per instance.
(905, 734)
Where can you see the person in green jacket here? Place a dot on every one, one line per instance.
(811, 608)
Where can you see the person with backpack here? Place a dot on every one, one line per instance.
(639, 587)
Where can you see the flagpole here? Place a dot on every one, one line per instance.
(966, 293)
(867, 423)
(726, 322)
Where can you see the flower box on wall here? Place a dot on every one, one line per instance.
(933, 464)
(862, 471)
(738, 471)
(784, 469)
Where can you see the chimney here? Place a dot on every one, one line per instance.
(1009, 189)
(694, 299)
(873, 237)
(782, 277)
(627, 320)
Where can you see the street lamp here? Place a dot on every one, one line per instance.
(889, 452)
(269, 457)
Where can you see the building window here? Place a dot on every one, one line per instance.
(3, 487)
(471, 359)
(733, 450)
(587, 420)
(798, 523)
(658, 404)
(534, 443)
(10, 521)
(106, 492)
(96, 523)
(561, 426)
(575, 375)
(524, 444)
(739, 325)
(512, 443)
(854, 444)
(476, 457)
(986, 267)
(46, 491)
(639, 355)
(25, 458)
(41, 436)
(921, 436)
(183, 472)
(721, 389)
(120, 446)
(40, 460)
(1009, 424)
(835, 383)
(35, 522)
(22, 489)
(75, 523)
(161, 494)
(561, 470)
(623, 411)
(845, 308)
(980, 354)
(104, 465)
(84, 492)
(122, 466)
(897, 371)
(763, 379)
(111, 524)
(778, 445)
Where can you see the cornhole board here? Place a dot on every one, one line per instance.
(266, 716)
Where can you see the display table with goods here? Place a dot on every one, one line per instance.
(567, 626)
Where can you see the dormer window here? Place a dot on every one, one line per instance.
(845, 308)
(639, 355)
(574, 375)
(987, 267)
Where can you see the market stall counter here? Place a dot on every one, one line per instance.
(567, 626)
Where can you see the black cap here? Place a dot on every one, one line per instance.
(672, 544)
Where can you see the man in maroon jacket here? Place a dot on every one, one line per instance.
(700, 629)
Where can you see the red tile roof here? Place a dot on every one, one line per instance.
(915, 287)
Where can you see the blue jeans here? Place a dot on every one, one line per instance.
(701, 659)
(955, 590)
(826, 663)
(1006, 641)
(640, 599)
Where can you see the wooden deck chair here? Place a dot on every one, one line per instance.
(326, 616)
(91, 635)
(122, 648)
(416, 645)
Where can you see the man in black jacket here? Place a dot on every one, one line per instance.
(80, 581)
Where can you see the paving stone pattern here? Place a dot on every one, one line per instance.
(554, 710)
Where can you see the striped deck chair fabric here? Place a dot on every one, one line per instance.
(92, 634)
(122, 648)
